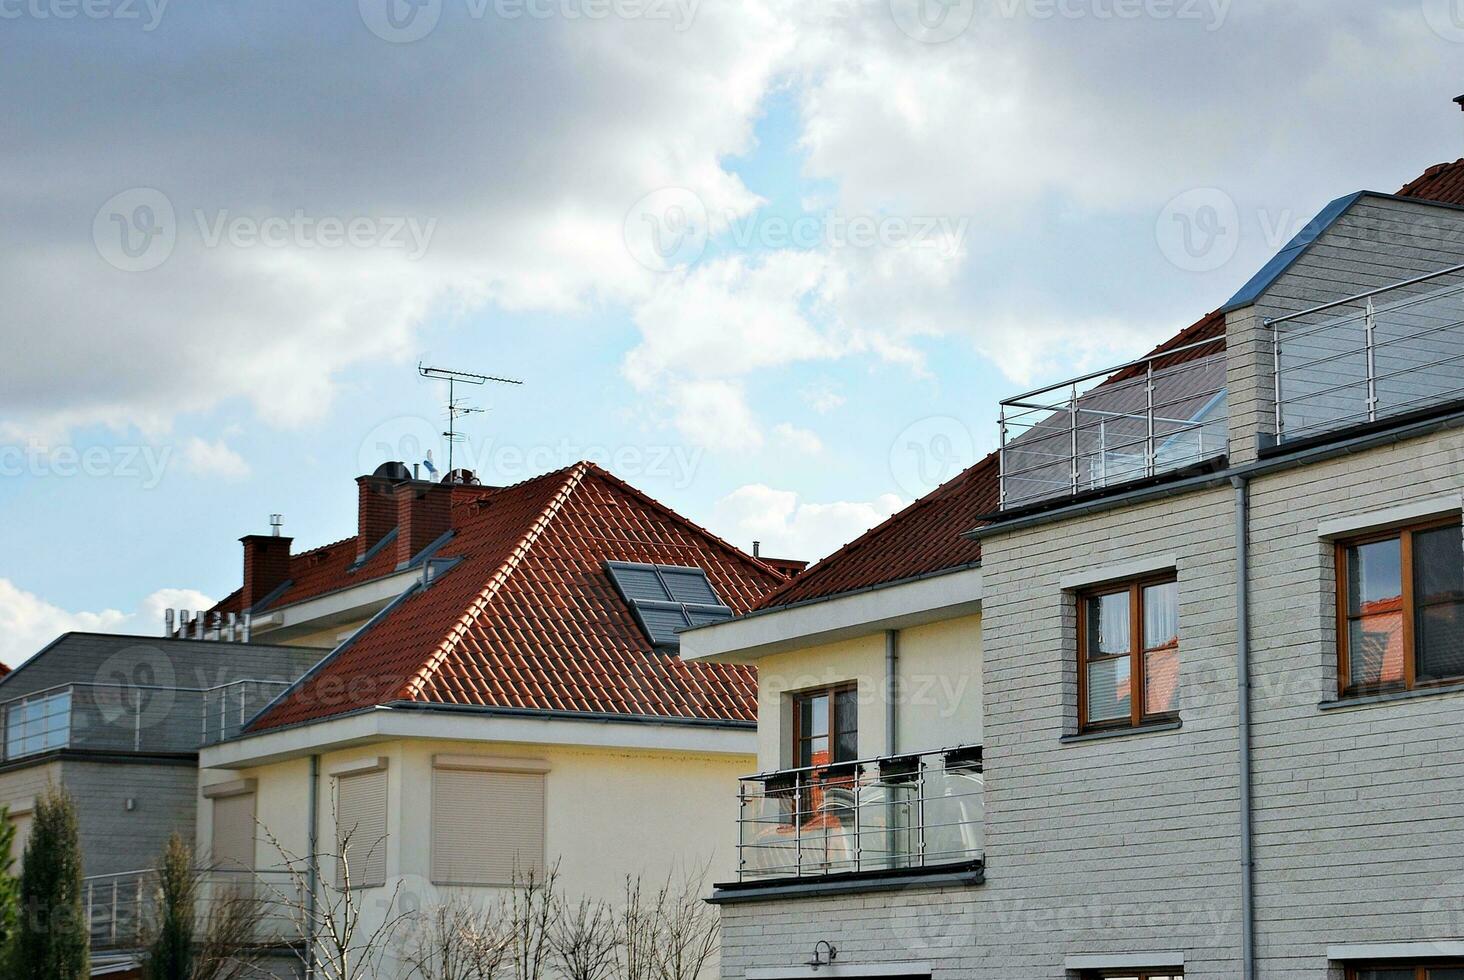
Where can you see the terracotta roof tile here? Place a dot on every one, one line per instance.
(529, 618)
(1442, 182)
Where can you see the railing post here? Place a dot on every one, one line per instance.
(137, 720)
(91, 906)
(1073, 433)
(1001, 492)
(1276, 377)
(1372, 367)
(741, 829)
(920, 806)
(858, 806)
(112, 926)
(798, 824)
(1149, 416)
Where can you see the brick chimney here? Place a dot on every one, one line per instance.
(266, 565)
(376, 511)
(423, 514)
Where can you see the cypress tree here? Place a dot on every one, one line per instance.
(170, 951)
(52, 940)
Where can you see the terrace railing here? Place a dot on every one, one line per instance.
(1118, 425)
(129, 717)
(121, 908)
(910, 811)
(1378, 355)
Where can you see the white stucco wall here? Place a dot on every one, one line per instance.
(939, 689)
(609, 813)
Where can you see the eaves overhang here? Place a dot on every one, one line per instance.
(898, 605)
(471, 723)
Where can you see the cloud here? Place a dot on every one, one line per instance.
(789, 527)
(822, 398)
(28, 622)
(204, 458)
(802, 441)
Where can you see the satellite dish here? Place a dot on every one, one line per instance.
(462, 477)
(393, 470)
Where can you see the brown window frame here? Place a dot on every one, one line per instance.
(1176, 972)
(1138, 682)
(832, 691)
(1420, 970)
(1410, 682)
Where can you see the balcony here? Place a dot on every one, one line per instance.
(880, 815)
(121, 908)
(1116, 426)
(1381, 355)
(129, 717)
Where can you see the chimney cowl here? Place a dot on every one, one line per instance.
(1460, 102)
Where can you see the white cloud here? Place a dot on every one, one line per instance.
(28, 622)
(789, 527)
(204, 458)
(803, 441)
(713, 415)
(822, 398)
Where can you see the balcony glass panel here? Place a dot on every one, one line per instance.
(38, 724)
(876, 815)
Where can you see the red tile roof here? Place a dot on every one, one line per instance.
(1442, 182)
(529, 619)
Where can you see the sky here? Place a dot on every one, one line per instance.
(773, 262)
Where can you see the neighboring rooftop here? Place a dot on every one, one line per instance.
(522, 611)
(926, 537)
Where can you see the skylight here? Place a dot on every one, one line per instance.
(667, 598)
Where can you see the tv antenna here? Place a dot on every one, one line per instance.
(455, 408)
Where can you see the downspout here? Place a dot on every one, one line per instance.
(892, 694)
(313, 870)
(1243, 723)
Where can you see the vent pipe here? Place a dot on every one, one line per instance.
(168, 622)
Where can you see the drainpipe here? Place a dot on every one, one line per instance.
(1243, 723)
(313, 869)
(892, 694)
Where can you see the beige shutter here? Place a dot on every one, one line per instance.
(233, 832)
(361, 815)
(486, 826)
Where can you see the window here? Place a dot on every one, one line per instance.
(1407, 972)
(667, 598)
(826, 726)
(233, 833)
(1128, 654)
(1168, 974)
(487, 826)
(1400, 609)
(361, 829)
(38, 724)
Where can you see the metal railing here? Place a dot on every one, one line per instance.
(122, 908)
(129, 717)
(1380, 354)
(1125, 423)
(909, 811)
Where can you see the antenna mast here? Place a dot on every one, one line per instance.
(454, 408)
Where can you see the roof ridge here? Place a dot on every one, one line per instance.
(576, 473)
(680, 518)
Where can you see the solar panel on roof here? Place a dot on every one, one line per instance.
(667, 599)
